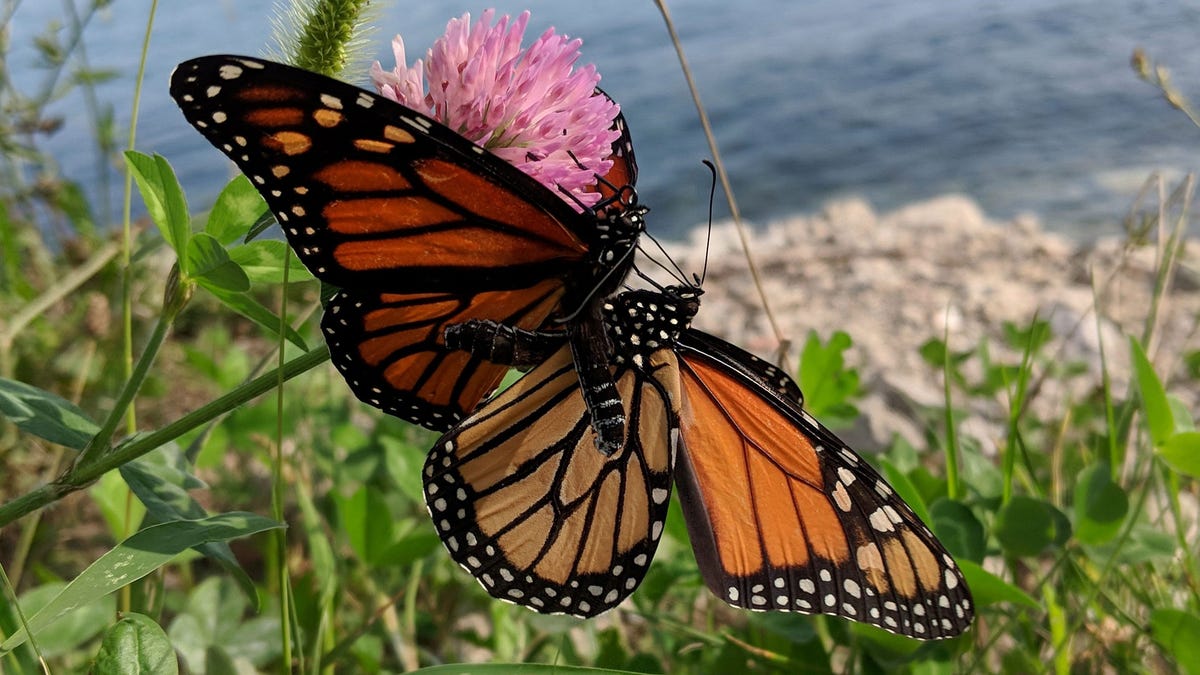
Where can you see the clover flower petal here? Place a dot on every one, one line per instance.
(531, 107)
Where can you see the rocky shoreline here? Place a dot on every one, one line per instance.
(895, 280)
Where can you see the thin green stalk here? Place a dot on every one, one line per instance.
(951, 432)
(1115, 459)
(277, 496)
(81, 476)
(1168, 256)
(127, 218)
(198, 441)
(1181, 532)
(174, 299)
(100, 443)
(334, 656)
(12, 592)
(1060, 639)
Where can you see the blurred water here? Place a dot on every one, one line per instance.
(1026, 105)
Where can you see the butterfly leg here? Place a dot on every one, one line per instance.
(503, 344)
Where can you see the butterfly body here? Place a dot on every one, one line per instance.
(419, 227)
(781, 514)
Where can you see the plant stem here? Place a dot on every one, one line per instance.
(951, 432)
(81, 476)
(100, 443)
(279, 537)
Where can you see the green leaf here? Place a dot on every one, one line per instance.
(263, 262)
(404, 461)
(74, 630)
(45, 415)
(237, 208)
(367, 522)
(1029, 339)
(208, 263)
(1144, 545)
(1179, 634)
(1181, 452)
(136, 557)
(1100, 505)
(161, 480)
(988, 589)
(958, 529)
(251, 309)
(1192, 361)
(1181, 414)
(417, 543)
(1154, 397)
(1026, 526)
(265, 222)
(136, 644)
(111, 496)
(214, 620)
(163, 197)
(935, 352)
(826, 382)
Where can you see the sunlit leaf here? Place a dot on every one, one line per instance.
(136, 644)
(1100, 505)
(1179, 634)
(1182, 453)
(209, 264)
(263, 262)
(163, 197)
(1154, 397)
(1026, 526)
(136, 557)
(989, 589)
(236, 210)
(45, 415)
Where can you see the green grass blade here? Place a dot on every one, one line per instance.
(136, 557)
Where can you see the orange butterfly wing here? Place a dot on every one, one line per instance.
(783, 516)
(390, 349)
(524, 502)
(420, 227)
(372, 194)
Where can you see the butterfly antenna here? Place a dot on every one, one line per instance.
(678, 272)
(648, 279)
(597, 286)
(670, 272)
(712, 191)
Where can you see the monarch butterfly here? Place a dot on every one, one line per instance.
(782, 515)
(419, 228)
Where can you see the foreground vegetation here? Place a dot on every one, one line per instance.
(151, 460)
